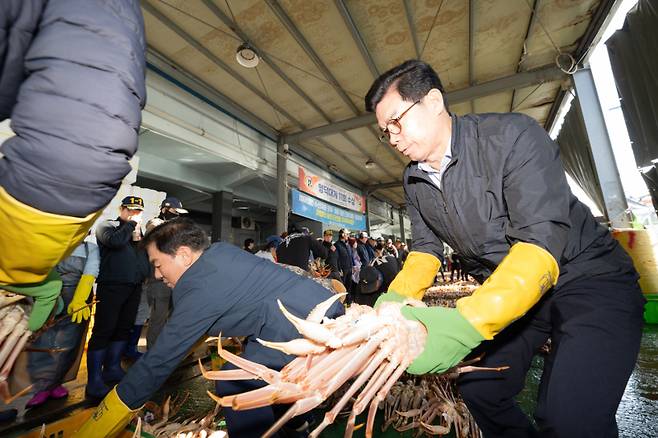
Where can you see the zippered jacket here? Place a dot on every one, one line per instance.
(505, 184)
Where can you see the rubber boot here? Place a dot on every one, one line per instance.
(112, 371)
(96, 388)
(131, 349)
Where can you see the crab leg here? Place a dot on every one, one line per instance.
(381, 394)
(330, 416)
(226, 374)
(299, 407)
(6, 369)
(11, 341)
(258, 370)
(321, 309)
(312, 330)
(297, 347)
(337, 360)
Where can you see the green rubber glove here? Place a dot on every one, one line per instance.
(45, 296)
(389, 296)
(450, 337)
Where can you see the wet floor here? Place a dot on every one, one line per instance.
(637, 416)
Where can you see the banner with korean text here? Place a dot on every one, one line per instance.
(327, 191)
(316, 209)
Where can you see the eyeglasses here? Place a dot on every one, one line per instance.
(393, 126)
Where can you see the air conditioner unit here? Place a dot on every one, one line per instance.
(247, 223)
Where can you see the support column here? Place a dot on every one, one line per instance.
(282, 187)
(601, 148)
(222, 208)
(401, 216)
(367, 199)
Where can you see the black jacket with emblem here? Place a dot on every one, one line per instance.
(505, 183)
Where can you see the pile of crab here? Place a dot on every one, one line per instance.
(366, 349)
(14, 334)
(164, 421)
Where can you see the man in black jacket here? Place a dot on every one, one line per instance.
(216, 289)
(492, 186)
(345, 259)
(297, 248)
(123, 268)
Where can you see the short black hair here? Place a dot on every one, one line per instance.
(248, 242)
(413, 80)
(171, 235)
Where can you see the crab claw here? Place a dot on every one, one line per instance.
(312, 330)
(320, 310)
(297, 347)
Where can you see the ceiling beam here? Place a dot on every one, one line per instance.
(166, 68)
(524, 79)
(310, 52)
(215, 59)
(412, 26)
(382, 186)
(231, 24)
(180, 32)
(531, 25)
(356, 36)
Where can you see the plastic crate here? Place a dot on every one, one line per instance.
(651, 309)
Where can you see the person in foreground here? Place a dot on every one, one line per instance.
(217, 289)
(492, 186)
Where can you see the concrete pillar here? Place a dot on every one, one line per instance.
(604, 160)
(282, 187)
(367, 199)
(222, 207)
(401, 216)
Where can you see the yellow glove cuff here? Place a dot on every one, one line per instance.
(51, 236)
(416, 276)
(516, 285)
(82, 291)
(109, 419)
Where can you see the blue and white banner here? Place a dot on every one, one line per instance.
(313, 208)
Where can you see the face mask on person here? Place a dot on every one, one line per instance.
(168, 215)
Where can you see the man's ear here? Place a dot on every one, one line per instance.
(434, 99)
(185, 253)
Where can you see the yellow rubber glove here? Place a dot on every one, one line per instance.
(416, 276)
(110, 418)
(29, 231)
(519, 281)
(78, 308)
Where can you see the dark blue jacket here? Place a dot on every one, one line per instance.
(72, 81)
(232, 292)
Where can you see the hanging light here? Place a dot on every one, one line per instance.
(247, 56)
(370, 164)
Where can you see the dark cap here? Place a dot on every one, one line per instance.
(370, 279)
(133, 203)
(171, 202)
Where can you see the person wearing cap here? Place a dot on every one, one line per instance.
(171, 208)
(158, 294)
(332, 254)
(269, 249)
(366, 252)
(375, 277)
(345, 258)
(493, 187)
(123, 268)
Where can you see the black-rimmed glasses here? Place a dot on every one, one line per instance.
(393, 126)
